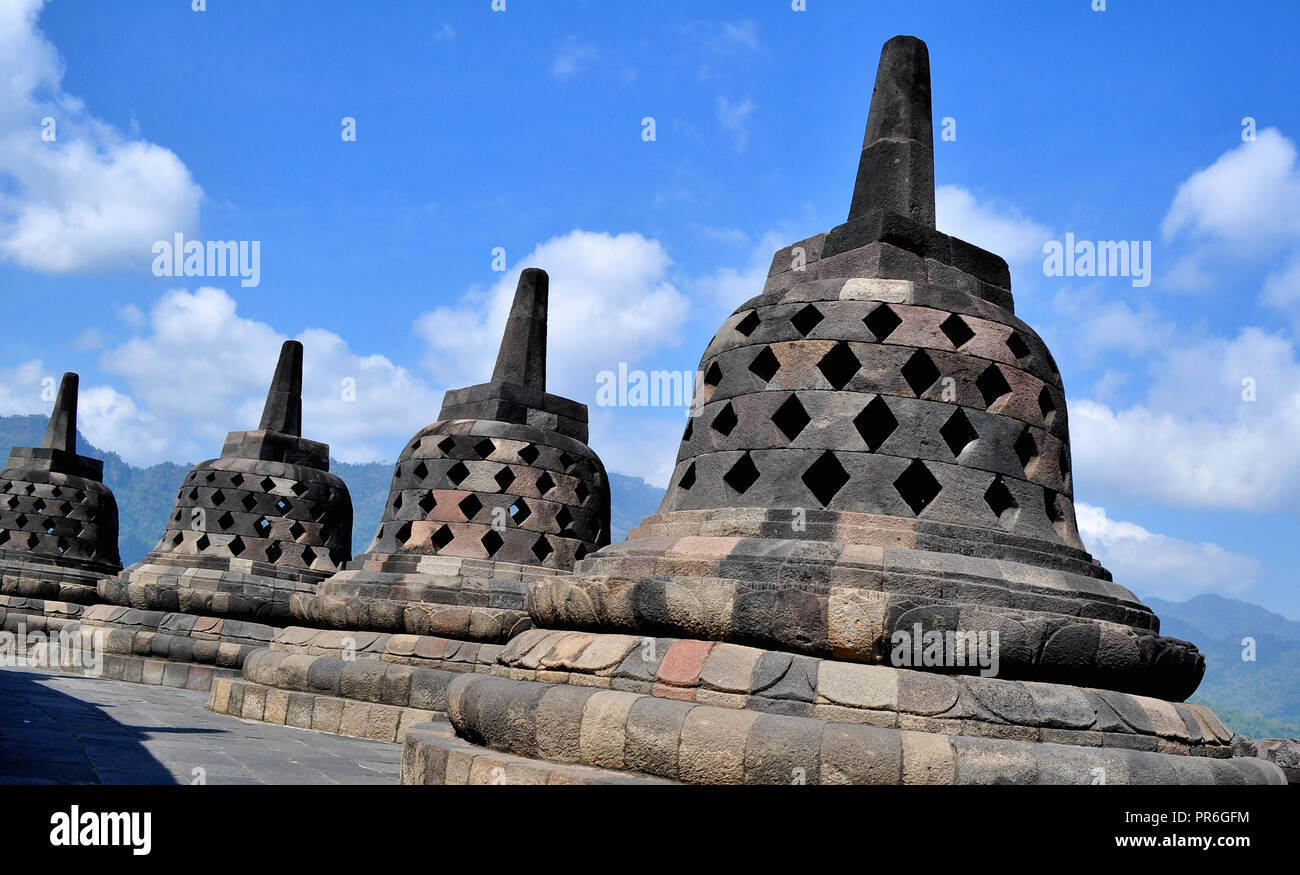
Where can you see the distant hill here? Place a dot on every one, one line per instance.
(1259, 699)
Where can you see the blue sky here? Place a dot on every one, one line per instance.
(522, 130)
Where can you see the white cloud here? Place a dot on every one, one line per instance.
(1162, 566)
(1194, 440)
(444, 33)
(571, 58)
(201, 370)
(90, 199)
(1249, 196)
(740, 34)
(21, 389)
(1001, 230)
(610, 301)
(734, 118)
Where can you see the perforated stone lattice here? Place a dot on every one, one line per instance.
(74, 519)
(527, 495)
(918, 405)
(302, 524)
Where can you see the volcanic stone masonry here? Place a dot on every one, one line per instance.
(880, 446)
(501, 491)
(263, 521)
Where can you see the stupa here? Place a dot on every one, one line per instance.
(264, 520)
(58, 521)
(866, 568)
(501, 491)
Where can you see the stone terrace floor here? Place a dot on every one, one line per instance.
(64, 729)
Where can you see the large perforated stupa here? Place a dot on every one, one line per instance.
(879, 460)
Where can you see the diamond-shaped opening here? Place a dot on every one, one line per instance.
(875, 423)
(580, 553)
(308, 556)
(920, 372)
(447, 445)
(519, 511)
(1001, 502)
(529, 454)
(64, 508)
(457, 473)
(33, 541)
(12, 502)
(236, 545)
(742, 475)
(48, 526)
(581, 491)
(39, 505)
(403, 533)
(78, 530)
(31, 487)
(249, 501)
(470, 505)
(283, 505)
(298, 488)
(55, 492)
(61, 545)
(882, 321)
(225, 521)
(806, 319)
(958, 433)
(713, 376)
(420, 471)
(765, 364)
(504, 477)
(1046, 405)
(825, 477)
(1017, 345)
(442, 537)
(485, 448)
(4, 535)
(296, 530)
(564, 519)
(1052, 505)
(917, 486)
(273, 552)
(956, 330)
(688, 477)
(194, 495)
(397, 502)
(210, 476)
(690, 430)
(542, 548)
(1026, 448)
(1063, 461)
(747, 325)
(203, 543)
(566, 461)
(267, 484)
(262, 527)
(177, 538)
(544, 483)
(992, 385)
(237, 480)
(218, 498)
(791, 418)
(21, 521)
(839, 365)
(427, 502)
(725, 422)
(491, 542)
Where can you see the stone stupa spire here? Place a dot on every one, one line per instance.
(61, 433)
(522, 358)
(283, 411)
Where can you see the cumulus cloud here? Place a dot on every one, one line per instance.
(1249, 196)
(611, 301)
(572, 57)
(91, 198)
(998, 229)
(1196, 439)
(1162, 566)
(24, 390)
(199, 370)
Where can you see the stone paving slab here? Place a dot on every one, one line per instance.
(63, 729)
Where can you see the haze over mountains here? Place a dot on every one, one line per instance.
(1259, 697)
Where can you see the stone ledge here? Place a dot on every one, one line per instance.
(251, 701)
(432, 754)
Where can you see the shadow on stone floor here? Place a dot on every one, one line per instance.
(50, 737)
